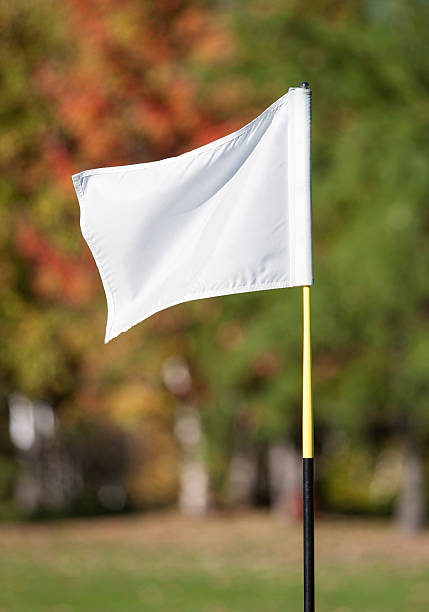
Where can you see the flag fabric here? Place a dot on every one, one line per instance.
(229, 217)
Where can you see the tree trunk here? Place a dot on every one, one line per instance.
(241, 478)
(194, 478)
(411, 503)
(285, 479)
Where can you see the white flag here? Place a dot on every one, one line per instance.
(229, 217)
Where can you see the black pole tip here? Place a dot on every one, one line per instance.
(305, 85)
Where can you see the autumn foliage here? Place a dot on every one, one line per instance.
(90, 83)
(99, 83)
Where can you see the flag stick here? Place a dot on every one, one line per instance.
(307, 461)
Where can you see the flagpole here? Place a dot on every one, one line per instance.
(307, 461)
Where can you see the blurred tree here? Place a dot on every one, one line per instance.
(100, 83)
(88, 84)
(368, 65)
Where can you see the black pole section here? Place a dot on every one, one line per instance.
(308, 511)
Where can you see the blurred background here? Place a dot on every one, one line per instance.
(196, 412)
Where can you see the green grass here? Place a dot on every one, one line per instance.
(241, 565)
(28, 588)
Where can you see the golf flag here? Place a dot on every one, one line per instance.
(230, 217)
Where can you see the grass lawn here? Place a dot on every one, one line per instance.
(243, 563)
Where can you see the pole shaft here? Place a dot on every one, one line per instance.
(307, 408)
(307, 454)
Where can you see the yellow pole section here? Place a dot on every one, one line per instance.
(307, 409)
